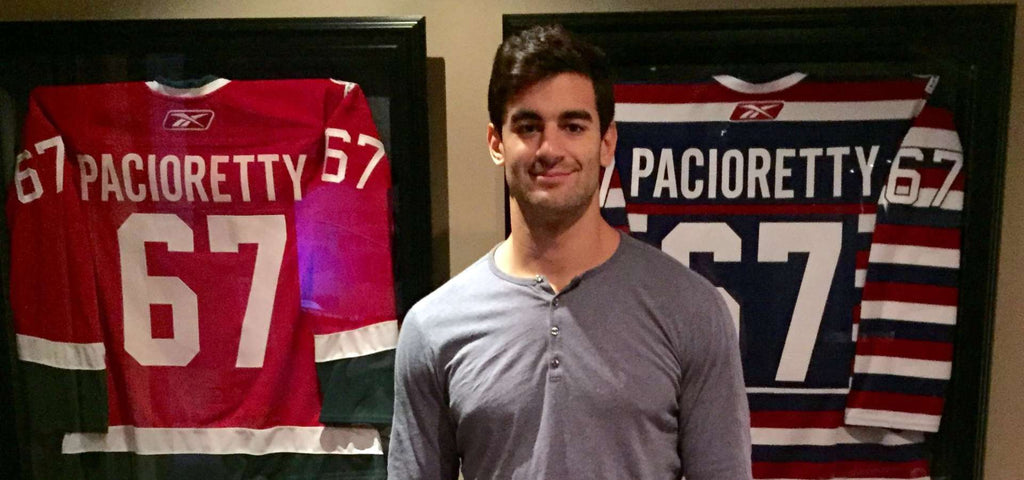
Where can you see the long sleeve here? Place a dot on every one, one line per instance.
(714, 419)
(423, 435)
(347, 287)
(909, 306)
(53, 290)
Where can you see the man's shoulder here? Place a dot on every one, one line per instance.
(459, 289)
(656, 276)
(651, 265)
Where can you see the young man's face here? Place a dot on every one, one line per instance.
(552, 148)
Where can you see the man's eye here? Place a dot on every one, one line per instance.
(525, 128)
(575, 128)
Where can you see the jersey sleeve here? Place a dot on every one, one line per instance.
(904, 348)
(53, 290)
(347, 289)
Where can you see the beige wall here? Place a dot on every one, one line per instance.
(463, 35)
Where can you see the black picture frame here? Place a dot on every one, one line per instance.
(386, 56)
(969, 47)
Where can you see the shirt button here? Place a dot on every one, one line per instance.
(554, 302)
(555, 363)
(554, 331)
(539, 279)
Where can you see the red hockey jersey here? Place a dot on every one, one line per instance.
(220, 254)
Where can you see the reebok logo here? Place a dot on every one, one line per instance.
(756, 111)
(188, 119)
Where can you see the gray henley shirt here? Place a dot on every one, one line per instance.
(632, 371)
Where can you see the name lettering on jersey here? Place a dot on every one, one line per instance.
(756, 111)
(174, 177)
(188, 119)
(750, 173)
(138, 177)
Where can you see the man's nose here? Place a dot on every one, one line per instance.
(551, 146)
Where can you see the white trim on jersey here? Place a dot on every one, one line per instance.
(832, 436)
(196, 92)
(742, 86)
(926, 137)
(908, 312)
(66, 355)
(799, 391)
(362, 341)
(226, 441)
(791, 112)
(917, 422)
(860, 277)
(911, 255)
(637, 222)
(905, 367)
(349, 86)
(866, 223)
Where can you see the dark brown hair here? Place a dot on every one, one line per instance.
(541, 52)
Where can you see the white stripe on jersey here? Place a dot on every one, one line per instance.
(606, 183)
(735, 84)
(832, 436)
(917, 422)
(66, 355)
(927, 137)
(912, 255)
(866, 223)
(858, 478)
(954, 199)
(615, 199)
(791, 111)
(906, 367)
(356, 343)
(226, 441)
(799, 391)
(908, 312)
(196, 92)
(637, 222)
(860, 276)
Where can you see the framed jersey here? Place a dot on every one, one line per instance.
(214, 228)
(836, 174)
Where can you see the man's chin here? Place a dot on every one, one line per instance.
(548, 208)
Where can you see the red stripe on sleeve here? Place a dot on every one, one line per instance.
(935, 177)
(911, 292)
(916, 349)
(841, 469)
(861, 259)
(917, 236)
(897, 402)
(796, 419)
(931, 117)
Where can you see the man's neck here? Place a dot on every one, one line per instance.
(557, 253)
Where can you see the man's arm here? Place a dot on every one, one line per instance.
(422, 436)
(714, 419)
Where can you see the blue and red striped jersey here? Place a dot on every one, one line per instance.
(827, 214)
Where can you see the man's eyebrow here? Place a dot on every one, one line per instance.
(523, 115)
(576, 115)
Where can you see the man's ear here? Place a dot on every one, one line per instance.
(497, 150)
(608, 141)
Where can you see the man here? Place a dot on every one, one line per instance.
(569, 351)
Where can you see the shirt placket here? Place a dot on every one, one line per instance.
(555, 315)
